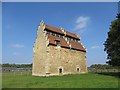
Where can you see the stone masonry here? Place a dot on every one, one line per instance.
(51, 58)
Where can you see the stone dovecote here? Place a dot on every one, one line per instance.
(57, 52)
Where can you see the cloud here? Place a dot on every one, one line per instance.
(95, 47)
(16, 53)
(18, 45)
(81, 22)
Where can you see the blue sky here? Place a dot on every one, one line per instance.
(89, 20)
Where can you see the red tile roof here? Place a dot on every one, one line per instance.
(72, 35)
(78, 46)
(58, 30)
(53, 29)
(63, 42)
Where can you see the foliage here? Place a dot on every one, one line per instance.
(112, 43)
(17, 65)
(103, 66)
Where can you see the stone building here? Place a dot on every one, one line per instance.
(57, 52)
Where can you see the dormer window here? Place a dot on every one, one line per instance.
(57, 35)
(57, 41)
(48, 33)
(68, 38)
(61, 36)
(74, 40)
(53, 34)
(77, 41)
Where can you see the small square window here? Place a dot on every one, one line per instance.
(61, 36)
(57, 42)
(48, 33)
(53, 34)
(57, 35)
(68, 38)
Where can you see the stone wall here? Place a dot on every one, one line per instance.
(54, 60)
(66, 59)
(39, 53)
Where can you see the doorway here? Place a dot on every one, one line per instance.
(60, 71)
(78, 69)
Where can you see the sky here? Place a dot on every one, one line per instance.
(0, 33)
(90, 20)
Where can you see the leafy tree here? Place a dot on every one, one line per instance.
(112, 43)
(102, 66)
(17, 65)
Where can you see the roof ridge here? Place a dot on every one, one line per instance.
(53, 29)
(74, 35)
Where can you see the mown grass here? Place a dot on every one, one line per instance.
(89, 80)
(0, 80)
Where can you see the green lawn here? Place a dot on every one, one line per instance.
(0, 80)
(89, 80)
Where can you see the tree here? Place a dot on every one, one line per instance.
(112, 43)
(101, 66)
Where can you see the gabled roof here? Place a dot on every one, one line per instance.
(58, 30)
(77, 46)
(53, 29)
(72, 35)
(63, 42)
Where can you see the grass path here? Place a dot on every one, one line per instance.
(89, 80)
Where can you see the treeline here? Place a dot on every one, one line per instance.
(104, 66)
(16, 65)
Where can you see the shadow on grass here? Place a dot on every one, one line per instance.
(114, 74)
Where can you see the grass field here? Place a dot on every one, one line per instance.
(0, 80)
(89, 80)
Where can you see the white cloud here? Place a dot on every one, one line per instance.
(18, 45)
(81, 22)
(95, 47)
(16, 53)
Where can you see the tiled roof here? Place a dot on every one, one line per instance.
(58, 30)
(63, 42)
(72, 35)
(53, 29)
(77, 46)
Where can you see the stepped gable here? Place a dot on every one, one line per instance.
(52, 40)
(53, 29)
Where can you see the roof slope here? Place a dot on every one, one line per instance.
(53, 29)
(77, 46)
(72, 35)
(63, 42)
